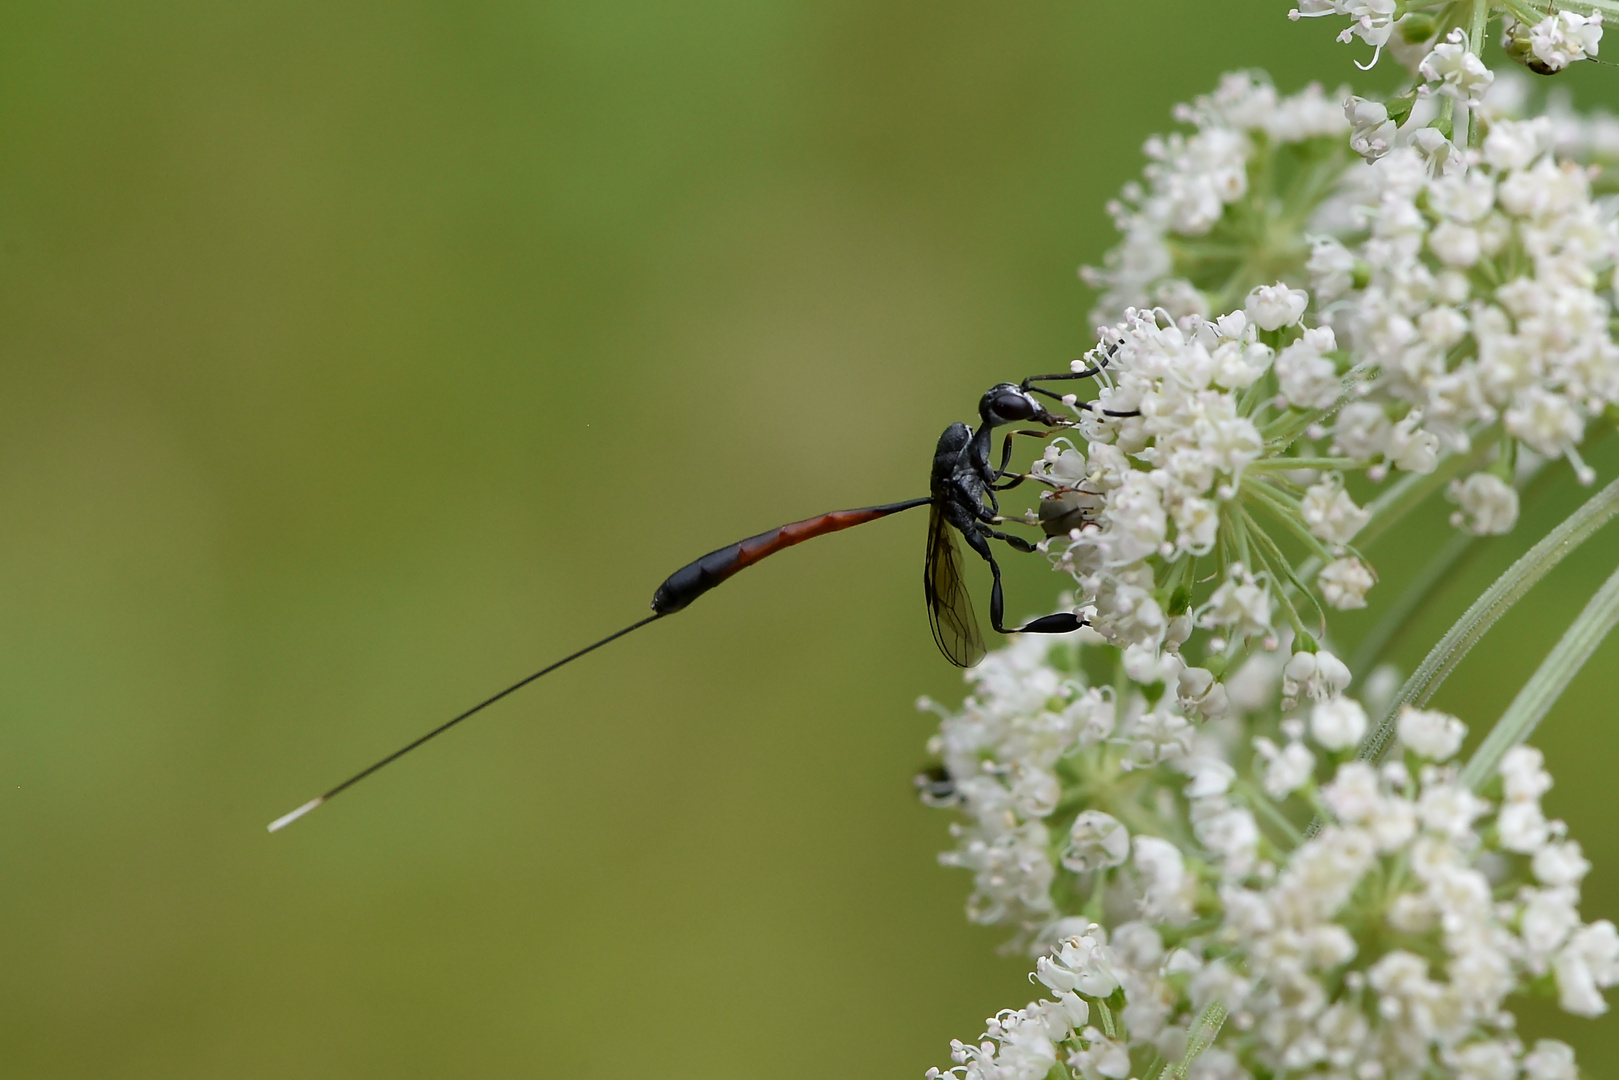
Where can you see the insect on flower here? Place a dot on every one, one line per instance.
(963, 498)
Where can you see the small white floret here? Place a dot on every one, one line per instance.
(1337, 723)
(1430, 733)
(1563, 38)
(1489, 505)
(1451, 69)
(1272, 307)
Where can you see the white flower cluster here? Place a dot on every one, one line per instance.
(1591, 138)
(1023, 1044)
(1373, 21)
(1384, 945)
(1555, 42)
(1001, 753)
(1216, 884)
(1486, 300)
(1452, 69)
(1546, 45)
(1469, 292)
(1188, 458)
(1195, 188)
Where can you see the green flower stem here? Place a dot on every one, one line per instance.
(1105, 1015)
(1284, 429)
(1393, 621)
(1587, 7)
(1200, 1038)
(1281, 572)
(1522, 12)
(1371, 647)
(1239, 536)
(1259, 802)
(1286, 509)
(1548, 682)
(1447, 117)
(1496, 601)
(1467, 133)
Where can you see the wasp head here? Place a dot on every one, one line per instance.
(1008, 403)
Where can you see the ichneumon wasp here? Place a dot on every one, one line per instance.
(963, 497)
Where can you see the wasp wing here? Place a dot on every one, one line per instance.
(950, 605)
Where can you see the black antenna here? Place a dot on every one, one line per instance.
(287, 819)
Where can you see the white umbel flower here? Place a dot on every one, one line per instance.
(1192, 181)
(1330, 513)
(1453, 70)
(1192, 848)
(1371, 132)
(1272, 307)
(1096, 841)
(1466, 287)
(1430, 734)
(1338, 723)
(1562, 38)
(1307, 378)
(1317, 675)
(1585, 966)
(1456, 354)
(1344, 583)
(1489, 505)
(1550, 1060)
(1286, 768)
(1313, 980)
(1370, 20)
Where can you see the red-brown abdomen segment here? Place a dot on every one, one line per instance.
(695, 578)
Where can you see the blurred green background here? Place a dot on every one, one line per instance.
(359, 358)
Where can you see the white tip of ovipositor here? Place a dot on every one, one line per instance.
(287, 819)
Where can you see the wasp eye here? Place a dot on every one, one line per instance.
(1015, 406)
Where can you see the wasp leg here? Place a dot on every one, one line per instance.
(1060, 623)
(1017, 543)
(1006, 450)
(1016, 479)
(968, 500)
(1088, 373)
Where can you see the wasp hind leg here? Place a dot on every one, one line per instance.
(1064, 622)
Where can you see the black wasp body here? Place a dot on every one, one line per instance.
(963, 497)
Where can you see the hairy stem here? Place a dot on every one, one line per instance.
(1393, 621)
(1548, 682)
(1496, 601)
